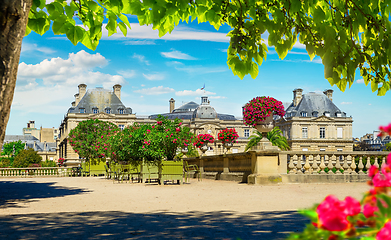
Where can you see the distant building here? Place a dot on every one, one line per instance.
(95, 103)
(313, 122)
(374, 142)
(42, 134)
(47, 150)
(203, 118)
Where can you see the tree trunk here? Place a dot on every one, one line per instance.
(13, 21)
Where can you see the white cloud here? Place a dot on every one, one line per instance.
(140, 42)
(217, 97)
(28, 47)
(360, 81)
(154, 76)
(53, 82)
(346, 103)
(155, 90)
(197, 92)
(179, 33)
(177, 55)
(141, 58)
(201, 70)
(127, 73)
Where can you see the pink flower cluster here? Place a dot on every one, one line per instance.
(203, 139)
(227, 135)
(385, 130)
(259, 108)
(333, 213)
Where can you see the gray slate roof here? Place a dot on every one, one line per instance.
(29, 141)
(313, 103)
(101, 99)
(187, 110)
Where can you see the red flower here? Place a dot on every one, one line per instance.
(385, 232)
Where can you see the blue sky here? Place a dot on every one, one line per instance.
(153, 70)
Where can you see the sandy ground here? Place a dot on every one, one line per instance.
(97, 208)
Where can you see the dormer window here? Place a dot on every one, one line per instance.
(327, 114)
(120, 111)
(108, 110)
(82, 110)
(315, 114)
(303, 114)
(338, 114)
(95, 110)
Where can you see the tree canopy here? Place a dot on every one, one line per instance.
(12, 149)
(348, 35)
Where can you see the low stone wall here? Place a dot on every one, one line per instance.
(273, 166)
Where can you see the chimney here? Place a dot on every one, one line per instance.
(297, 96)
(82, 90)
(172, 105)
(77, 99)
(329, 94)
(117, 90)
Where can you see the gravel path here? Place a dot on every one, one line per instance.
(97, 208)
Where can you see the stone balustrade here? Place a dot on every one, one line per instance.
(316, 162)
(37, 172)
(292, 166)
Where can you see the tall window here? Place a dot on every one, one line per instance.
(95, 110)
(339, 132)
(304, 132)
(247, 133)
(120, 111)
(322, 132)
(122, 127)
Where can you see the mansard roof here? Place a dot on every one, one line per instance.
(314, 105)
(187, 111)
(100, 99)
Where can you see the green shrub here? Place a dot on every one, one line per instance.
(48, 163)
(6, 162)
(27, 157)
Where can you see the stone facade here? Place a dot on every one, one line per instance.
(314, 123)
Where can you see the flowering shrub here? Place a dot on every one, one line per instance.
(203, 139)
(164, 138)
(61, 162)
(351, 219)
(259, 108)
(90, 138)
(227, 135)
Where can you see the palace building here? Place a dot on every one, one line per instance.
(312, 121)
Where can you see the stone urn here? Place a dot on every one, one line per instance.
(184, 151)
(264, 127)
(203, 149)
(228, 146)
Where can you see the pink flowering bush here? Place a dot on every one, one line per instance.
(227, 135)
(61, 162)
(91, 139)
(259, 108)
(369, 219)
(203, 139)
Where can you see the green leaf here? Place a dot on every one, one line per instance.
(58, 26)
(125, 20)
(75, 34)
(123, 28)
(40, 25)
(93, 6)
(28, 30)
(311, 214)
(254, 70)
(374, 86)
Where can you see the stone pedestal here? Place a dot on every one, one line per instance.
(265, 167)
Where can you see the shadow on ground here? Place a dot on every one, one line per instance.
(13, 192)
(156, 225)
